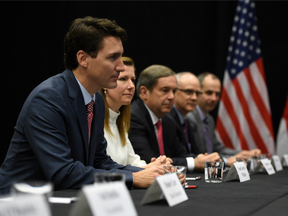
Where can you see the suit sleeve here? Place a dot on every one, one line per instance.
(46, 123)
(217, 145)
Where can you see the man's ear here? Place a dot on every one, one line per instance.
(82, 58)
(144, 93)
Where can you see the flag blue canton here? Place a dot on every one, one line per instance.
(244, 45)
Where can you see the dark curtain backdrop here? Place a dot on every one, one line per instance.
(183, 35)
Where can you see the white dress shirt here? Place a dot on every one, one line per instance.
(121, 154)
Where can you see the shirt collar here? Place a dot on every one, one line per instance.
(87, 97)
(201, 113)
(181, 117)
(154, 118)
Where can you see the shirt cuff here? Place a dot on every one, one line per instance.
(225, 161)
(190, 163)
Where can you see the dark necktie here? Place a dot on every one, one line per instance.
(206, 126)
(89, 117)
(160, 137)
(185, 129)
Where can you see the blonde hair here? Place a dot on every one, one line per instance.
(123, 120)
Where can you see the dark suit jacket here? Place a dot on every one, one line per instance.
(199, 136)
(143, 137)
(50, 141)
(173, 114)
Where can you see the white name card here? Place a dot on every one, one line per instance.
(239, 171)
(25, 205)
(277, 162)
(268, 166)
(167, 185)
(105, 199)
(285, 160)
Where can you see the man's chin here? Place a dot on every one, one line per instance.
(167, 110)
(112, 86)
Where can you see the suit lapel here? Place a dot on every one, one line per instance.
(176, 119)
(201, 132)
(147, 119)
(77, 102)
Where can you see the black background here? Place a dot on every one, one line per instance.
(183, 35)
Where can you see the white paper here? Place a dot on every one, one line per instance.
(277, 162)
(285, 160)
(239, 171)
(268, 166)
(153, 193)
(170, 186)
(172, 189)
(26, 205)
(103, 200)
(242, 171)
(62, 200)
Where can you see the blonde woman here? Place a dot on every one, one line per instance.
(117, 120)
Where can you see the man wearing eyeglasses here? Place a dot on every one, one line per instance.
(186, 98)
(202, 123)
(152, 132)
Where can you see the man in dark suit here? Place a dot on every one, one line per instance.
(186, 98)
(200, 120)
(53, 140)
(156, 87)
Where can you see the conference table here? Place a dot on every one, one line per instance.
(262, 195)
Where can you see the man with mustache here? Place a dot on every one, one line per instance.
(201, 120)
(152, 132)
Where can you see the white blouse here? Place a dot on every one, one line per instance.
(121, 154)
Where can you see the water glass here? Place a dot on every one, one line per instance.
(213, 171)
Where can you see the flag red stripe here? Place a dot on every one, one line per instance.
(266, 116)
(254, 132)
(260, 66)
(285, 113)
(223, 134)
(227, 103)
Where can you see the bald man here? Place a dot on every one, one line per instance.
(185, 101)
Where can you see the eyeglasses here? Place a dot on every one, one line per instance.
(190, 92)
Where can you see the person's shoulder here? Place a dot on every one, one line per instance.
(168, 119)
(52, 83)
(192, 114)
(172, 113)
(136, 105)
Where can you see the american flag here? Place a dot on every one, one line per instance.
(282, 135)
(244, 116)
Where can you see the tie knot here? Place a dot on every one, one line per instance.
(158, 124)
(206, 120)
(90, 107)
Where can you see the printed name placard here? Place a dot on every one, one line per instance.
(104, 199)
(268, 166)
(167, 185)
(277, 162)
(25, 205)
(239, 171)
(285, 160)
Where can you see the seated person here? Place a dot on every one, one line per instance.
(54, 138)
(202, 121)
(117, 120)
(186, 97)
(151, 132)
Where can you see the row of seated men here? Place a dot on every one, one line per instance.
(81, 121)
